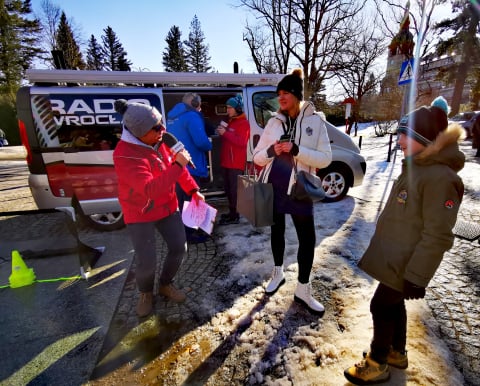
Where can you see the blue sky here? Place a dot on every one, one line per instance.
(143, 25)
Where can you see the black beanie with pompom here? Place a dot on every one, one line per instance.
(293, 83)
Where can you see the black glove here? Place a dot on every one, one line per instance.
(412, 291)
(294, 150)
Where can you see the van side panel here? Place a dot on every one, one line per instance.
(72, 133)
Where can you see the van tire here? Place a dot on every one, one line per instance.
(336, 181)
(104, 222)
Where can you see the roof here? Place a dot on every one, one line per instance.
(158, 78)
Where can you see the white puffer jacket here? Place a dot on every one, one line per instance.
(311, 138)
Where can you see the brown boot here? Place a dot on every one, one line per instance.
(172, 293)
(145, 304)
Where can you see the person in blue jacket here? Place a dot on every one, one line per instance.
(186, 123)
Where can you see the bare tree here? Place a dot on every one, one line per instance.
(262, 52)
(309, 33)
(356, 64)
(50, 20)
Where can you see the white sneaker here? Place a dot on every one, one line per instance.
(277, 280)
(303, 296)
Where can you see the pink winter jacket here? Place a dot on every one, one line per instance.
(146, 181)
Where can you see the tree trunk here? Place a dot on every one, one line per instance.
(458, 88)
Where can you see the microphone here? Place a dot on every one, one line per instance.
(175, 145)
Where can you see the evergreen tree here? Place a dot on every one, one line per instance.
(19, 36)
(67, 44)
(94, 55)
(115, 57)
(197, 50)
(463, 29)
(174, 54)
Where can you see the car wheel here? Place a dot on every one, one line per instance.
(104, 222)
(336, 181)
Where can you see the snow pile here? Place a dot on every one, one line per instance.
(286, 345)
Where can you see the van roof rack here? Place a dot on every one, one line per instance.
(159, 78)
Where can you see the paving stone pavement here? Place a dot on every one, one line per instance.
(453, 294)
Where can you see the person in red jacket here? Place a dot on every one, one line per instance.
(233, 154)
(147, 172)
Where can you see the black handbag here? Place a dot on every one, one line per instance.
(307, 187)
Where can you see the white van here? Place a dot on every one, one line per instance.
(69, 128)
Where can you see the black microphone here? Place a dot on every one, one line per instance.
(175, 145)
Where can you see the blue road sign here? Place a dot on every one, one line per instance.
(406, 72)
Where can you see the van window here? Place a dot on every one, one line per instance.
(265, 103)
(92, 137)
(81, 121)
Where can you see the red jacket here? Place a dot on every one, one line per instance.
(146, 181)
(233, 152)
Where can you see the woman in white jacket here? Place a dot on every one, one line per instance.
(296, 135)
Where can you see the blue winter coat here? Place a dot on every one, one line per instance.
(188, 126)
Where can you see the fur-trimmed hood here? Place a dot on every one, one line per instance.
(444, 149)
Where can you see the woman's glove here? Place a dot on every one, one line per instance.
(412, 291)
(294, 150)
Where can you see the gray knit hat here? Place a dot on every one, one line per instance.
(138, 118)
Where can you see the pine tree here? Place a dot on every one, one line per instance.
(115, 57)
(174, 54)
(462, 29)
(94, 55)
(67, 44)
(197, 50)
(19, 38)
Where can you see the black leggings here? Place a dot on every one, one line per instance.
(389, 322)
(305, 229)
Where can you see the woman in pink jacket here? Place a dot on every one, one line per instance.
(147, 173)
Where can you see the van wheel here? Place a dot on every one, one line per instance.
(336, 181)
(104, 222)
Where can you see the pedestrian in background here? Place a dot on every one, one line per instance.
(296, 135)
(476, 136)
(185, 121)
(412, 234)
(147, 173)
(233, 154)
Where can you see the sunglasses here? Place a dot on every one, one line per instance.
(158, 128)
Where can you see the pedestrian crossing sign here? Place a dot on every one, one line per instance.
(406, 72)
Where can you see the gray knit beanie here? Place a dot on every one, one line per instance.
(138, 118)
